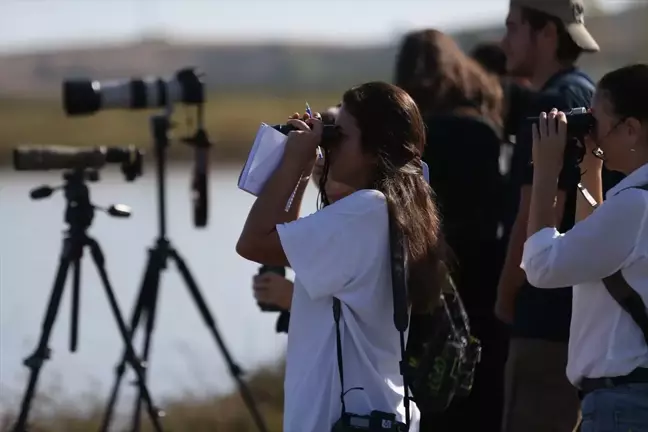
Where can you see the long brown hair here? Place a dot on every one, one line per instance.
(393, 131)
(442, 79)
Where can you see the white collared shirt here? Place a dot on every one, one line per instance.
(604, 340)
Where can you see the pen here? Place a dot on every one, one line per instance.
(310, 114)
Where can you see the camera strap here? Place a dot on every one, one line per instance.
(401, 319)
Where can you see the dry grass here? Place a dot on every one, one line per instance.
(184, 414)
(230, 120)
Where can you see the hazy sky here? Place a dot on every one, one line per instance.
(29, 24)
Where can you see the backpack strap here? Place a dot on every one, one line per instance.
(399, 274)
(626, 296)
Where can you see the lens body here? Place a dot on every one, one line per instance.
(580, 122)
(83, 96)
(45, 158)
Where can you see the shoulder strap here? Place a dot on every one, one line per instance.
(626, 297)
(337, 312)
(401, 319)
(643, 187)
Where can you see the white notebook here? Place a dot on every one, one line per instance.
(263, 159)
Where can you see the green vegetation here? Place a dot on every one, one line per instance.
(187, 413)
(230, 120)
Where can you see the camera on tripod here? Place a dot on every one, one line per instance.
(45, 158)
(84, 96)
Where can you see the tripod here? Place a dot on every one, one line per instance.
(146, 304)
(79, 214)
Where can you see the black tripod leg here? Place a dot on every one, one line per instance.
(156, 264)
(76, 293)
(42, 353)
(99, 261)
(139, 309)
(234, 369)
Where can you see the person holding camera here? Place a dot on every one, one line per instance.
(543, 40)
(272, 290)
(344, 377)
(604, 256)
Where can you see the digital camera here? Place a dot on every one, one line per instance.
(580, 123)
(377, 421)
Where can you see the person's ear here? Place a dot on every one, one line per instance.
(635, 129)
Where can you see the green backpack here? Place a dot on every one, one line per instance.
(438, 363)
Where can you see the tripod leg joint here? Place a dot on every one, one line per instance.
(36, 360)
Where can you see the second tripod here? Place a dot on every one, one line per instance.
(146, 304)
(79, 214)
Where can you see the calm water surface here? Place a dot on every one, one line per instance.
(184, 356)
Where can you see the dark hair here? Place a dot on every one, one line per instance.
(627, 91)
(392, 129)
(567, 51)
(442, 79)
(491, 57)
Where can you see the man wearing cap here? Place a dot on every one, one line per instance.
(543, 40)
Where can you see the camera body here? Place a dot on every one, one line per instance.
(377, 421)
(580, 123)
(272, 269)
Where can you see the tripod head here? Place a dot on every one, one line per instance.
(79, 210)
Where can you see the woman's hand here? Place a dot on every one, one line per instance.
(302, 143)
(549, 141)
(273, 289)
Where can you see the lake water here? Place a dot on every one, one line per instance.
(184, 356)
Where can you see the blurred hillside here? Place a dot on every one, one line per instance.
(278, 69)
(246, 83)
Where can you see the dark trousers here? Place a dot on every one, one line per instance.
(539, 398)
(482, 409)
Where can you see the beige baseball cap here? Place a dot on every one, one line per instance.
(571, 13)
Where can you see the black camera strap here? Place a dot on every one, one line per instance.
(401, 319)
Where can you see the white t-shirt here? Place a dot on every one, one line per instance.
(342, 251)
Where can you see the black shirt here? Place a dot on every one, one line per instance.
(546, 313)
(463, 156)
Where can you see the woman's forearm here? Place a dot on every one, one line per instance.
(269, 209)
(543, 201)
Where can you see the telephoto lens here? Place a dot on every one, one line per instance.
(57, 157)
(85, 96)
